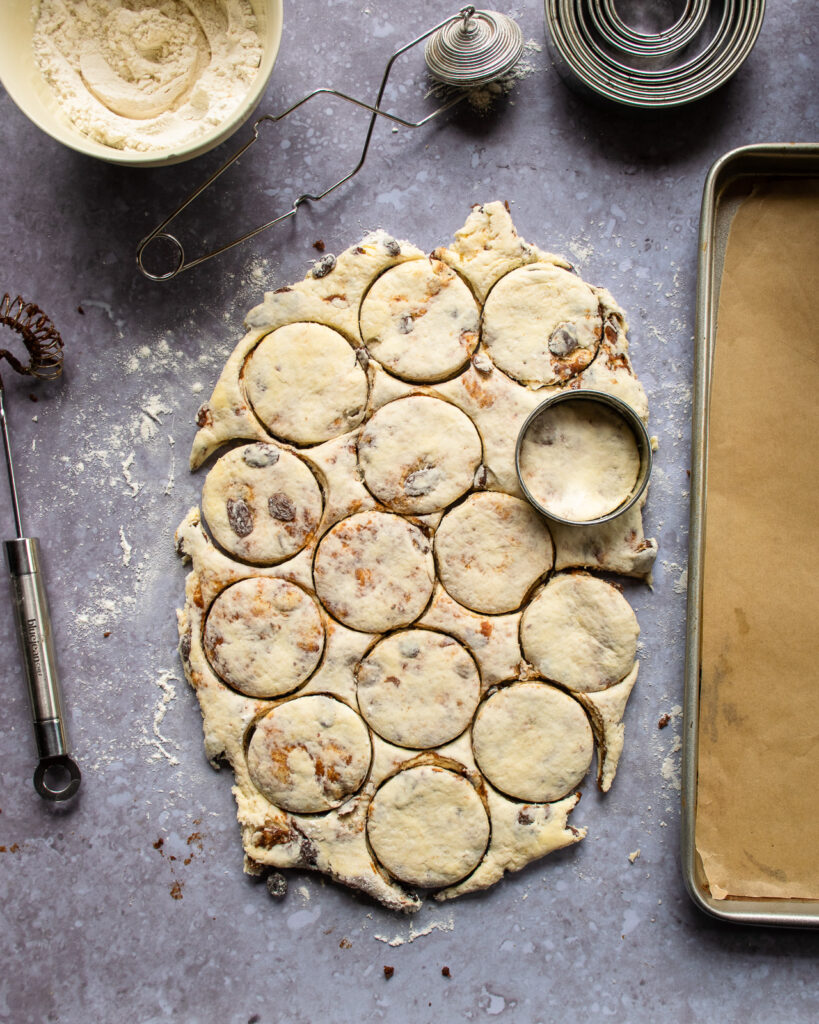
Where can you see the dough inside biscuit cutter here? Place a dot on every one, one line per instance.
(625, 413)
(467, 50)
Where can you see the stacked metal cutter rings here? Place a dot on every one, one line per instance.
(595, 50)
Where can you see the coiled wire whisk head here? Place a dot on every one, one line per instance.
(41, 338)
(474, 49)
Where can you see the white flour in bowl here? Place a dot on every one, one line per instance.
(145, 75)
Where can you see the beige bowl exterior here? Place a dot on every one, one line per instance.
(24, 83)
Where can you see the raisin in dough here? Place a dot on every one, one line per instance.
(581, 632)
(309, 754)
(579, 460)
(418, 688)
(264, 636)
(428, 826)
(374, 571)
(261, 503)
(305, 383)
(490, 550)
(532, 741)
(542, 324)
(419, 454)
(420, 321)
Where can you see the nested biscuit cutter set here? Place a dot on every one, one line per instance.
(466, 51)
(597, 49)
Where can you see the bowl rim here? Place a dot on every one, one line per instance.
(633, 421)
(62, 131)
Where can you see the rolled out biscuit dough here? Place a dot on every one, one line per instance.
(263, 636)
(419, 454)
(420, 321)
(428, 826)
(261, 503)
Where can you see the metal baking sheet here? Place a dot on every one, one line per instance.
(730, 180)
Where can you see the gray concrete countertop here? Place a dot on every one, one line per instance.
(130, 904)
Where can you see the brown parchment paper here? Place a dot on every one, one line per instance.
(757, 824)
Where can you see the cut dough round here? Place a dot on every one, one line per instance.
(263, 636)
(419, 454)
(490, 550)
(579, 460)
(309, 754)
(305, 383)
(427, 826)
(374, 571)
(542, 324)
(420, 321)
(581, 632)
(418, 688)
(261, 503)
(532, 741)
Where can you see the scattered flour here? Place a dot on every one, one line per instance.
(160, 743)
(414, 933)
(146, 75)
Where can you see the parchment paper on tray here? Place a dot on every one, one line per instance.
(757, 828)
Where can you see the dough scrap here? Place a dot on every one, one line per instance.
(418, 688)
(419, 454)
(490, 550)
(420, 321)
(532, 741)
(580, 632)
(428, 826)
(264, 636)
(374, 571)
(261, 503)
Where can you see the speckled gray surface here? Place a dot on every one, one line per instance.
(130, 904)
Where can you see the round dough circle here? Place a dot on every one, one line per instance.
(419, 454)
(420, 321)
(532, 741)
(427, 826)
(374, 571)
(305, 383)
(263, 636)
(579, 460)
(541, 324)
(490, 549)
(581, 632)
(309, 754)
(418, 688)
(261, 503)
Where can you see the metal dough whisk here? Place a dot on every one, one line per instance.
(467, 50)
(57, 776)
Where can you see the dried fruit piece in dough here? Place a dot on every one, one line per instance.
(420, 321)
(305, 383)
(261, 503)
(428, 826)
(374, 571)
(309, 754)
(418, 688)
(263, 636)
(581, 632)
(490, 550)
(542, 324)
(532, 741)
(419, 454)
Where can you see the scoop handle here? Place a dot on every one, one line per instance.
(57, 776)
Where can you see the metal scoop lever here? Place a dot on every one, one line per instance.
(57, 776)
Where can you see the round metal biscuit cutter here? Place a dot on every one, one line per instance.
(625, 412)
(598, 53)
(467, 50)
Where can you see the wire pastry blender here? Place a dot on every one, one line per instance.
(56, 776)
(467, 50)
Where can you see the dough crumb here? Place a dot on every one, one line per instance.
(633, 856)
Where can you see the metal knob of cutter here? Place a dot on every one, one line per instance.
(57, 776)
